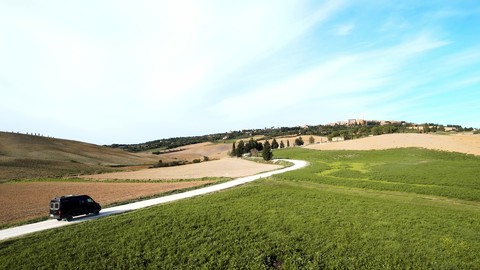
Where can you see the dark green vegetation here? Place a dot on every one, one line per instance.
(253, 147)
(170, 143)
(299, 141)
(267, 151)
(250, 147)
(403, 208)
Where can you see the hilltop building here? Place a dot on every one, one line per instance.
(363, 122)
(338, 139)
(349, 122)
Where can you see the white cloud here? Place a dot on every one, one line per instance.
(214, 43)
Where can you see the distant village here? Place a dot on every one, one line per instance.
(419, 127)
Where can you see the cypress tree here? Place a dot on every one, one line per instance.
(252, 144)
(240, 148)
(234, 151)
(267, 151)
(274, 144)
(259, 146)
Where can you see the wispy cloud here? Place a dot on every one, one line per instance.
(214, 63)
(347, 79)
(395, 23)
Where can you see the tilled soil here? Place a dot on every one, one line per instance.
(24, 201)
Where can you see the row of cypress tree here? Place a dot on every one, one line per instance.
(252, 145)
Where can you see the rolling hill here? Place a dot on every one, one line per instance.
(29, 156)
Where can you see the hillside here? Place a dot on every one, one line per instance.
(195, 151)
(26, 156)
(463, 143)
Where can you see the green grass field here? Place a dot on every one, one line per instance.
(451, 175)
(402, 208)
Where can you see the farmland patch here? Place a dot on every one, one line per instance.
(28, 200)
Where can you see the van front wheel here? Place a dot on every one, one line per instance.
(96, 212)
(69, 218)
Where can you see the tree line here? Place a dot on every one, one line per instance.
(254, 147)
(330, 131)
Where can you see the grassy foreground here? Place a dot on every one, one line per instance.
(358, 210)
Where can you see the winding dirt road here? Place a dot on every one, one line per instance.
(52, 223)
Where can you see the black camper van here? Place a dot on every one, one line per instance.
(66, 207)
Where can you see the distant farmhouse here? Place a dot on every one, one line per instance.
(338, 139)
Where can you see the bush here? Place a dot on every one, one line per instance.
(161, 164)
(299, 141)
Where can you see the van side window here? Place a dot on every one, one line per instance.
(89, 200)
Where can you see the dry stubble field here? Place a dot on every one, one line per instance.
(226, 167)
(463, 143)
(197, 151)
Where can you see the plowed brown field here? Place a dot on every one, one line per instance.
(24, 201)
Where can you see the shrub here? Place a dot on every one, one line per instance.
(161, 164)
(299, 141)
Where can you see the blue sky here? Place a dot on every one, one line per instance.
(132, 71)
